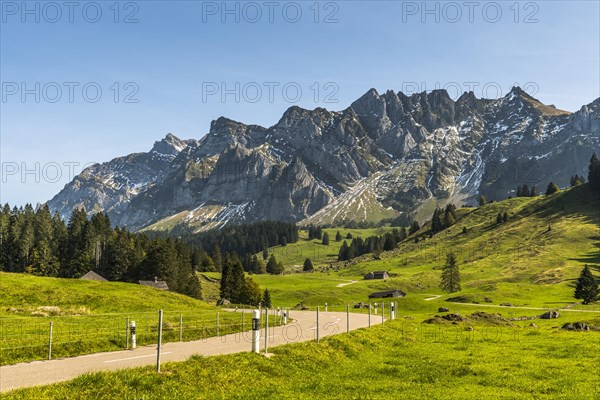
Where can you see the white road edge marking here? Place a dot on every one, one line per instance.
(134, 358)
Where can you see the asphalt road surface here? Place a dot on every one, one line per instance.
(303, 328)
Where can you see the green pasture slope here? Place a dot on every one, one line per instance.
(401, 359)
(90, 316)
(531, 260)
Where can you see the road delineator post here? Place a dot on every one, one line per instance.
(50, 342)
(317, 324)
(266, 330)
(133, 334)
(160, 323)
(255, 331)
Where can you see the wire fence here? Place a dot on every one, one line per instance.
(64, 336)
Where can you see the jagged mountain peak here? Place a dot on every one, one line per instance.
(385, 155)
(171, 145)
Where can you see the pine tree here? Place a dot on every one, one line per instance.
(587, 288)
(449, 218)
(267, 299)
(505, 217)
(482, 200)
(273, 267)
(525, 191)
(265, 253)
(308, 266)
(343, 254)
(499, 218)
(534, 192)
(552, 188)
(338, 236)
(594, 173)
(217, 258)
(436, 222)
(519, 191)
(403, 233)
(326, 239)
(414, 228)
(450, 280)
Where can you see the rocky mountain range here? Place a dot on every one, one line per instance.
(386, 156)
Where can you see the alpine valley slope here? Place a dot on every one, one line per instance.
(384, 156)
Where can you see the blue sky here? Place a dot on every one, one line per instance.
(172, 59)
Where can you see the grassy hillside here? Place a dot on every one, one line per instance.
(294, 254)
(400, 359)
(91, 316)
(27, 292)
(531, 260)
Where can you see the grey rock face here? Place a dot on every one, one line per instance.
(384, 156)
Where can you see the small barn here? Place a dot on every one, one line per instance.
(387, 294)
(377, 275)
(156, 284)
(92, 276)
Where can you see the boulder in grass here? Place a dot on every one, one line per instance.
(577, 326)
(443, 309)
(550, 315)
(453, 317)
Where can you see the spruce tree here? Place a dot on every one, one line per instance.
(482, 200)
(414, 228)
(594, 173)
(525, 191)
(534, 192)
(338, 236)
(343, 254)
(308, 266)
(552, 188)
(266, 299)
(450, 280)
(272, 264)
(326, 239)
(436, 222)
(587, 288)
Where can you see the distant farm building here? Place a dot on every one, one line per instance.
(387, 294)
(377, 275)
(92, 276)
(156, 284)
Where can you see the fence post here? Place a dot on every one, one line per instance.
(266, 330)
(160, 323)
(347, 318)
(382, 313)
(50, 342)
(127, 333)
(181, 327)
(217, 324)
(317, 324)
(369, 315)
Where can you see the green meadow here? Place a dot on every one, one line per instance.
(403, 358)
(509, 271)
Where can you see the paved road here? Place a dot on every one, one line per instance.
(303, 328)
